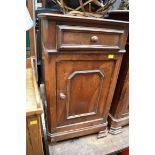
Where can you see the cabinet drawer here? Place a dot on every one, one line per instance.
(88, 38)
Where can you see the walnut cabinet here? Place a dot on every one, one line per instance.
(81, 59)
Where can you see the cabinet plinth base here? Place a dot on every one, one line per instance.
(101, 128)
(102, 134)
(115, 131)
(116, 124)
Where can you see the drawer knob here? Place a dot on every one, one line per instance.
(62, 96)
(94, 38)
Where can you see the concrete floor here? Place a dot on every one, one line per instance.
(90, 145)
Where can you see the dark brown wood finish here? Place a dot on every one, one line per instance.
(75, 37)
(119, 111)
(81, 68)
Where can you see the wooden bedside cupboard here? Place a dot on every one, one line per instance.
(82, 58)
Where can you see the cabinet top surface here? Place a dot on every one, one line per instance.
(30, 92)
(60, 17)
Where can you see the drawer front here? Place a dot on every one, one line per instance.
(87, 38)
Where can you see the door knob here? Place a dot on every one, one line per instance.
(94, 39)
(62, 96)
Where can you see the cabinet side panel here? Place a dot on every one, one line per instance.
(34, 128)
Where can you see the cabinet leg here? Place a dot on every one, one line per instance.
(102, 133)
(115, 131)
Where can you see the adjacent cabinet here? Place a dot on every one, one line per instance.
(119, 111)
(81, 58)
(34, 144)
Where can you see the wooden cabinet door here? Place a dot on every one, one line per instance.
(82, 89)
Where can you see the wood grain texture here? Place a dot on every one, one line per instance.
(119, 111)
(33, 112)
(49, 23)
(79, 85)
(34, 140)
(78, 37)
(85, 93)
(77, 19)
(29, 148)
(33, 100)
